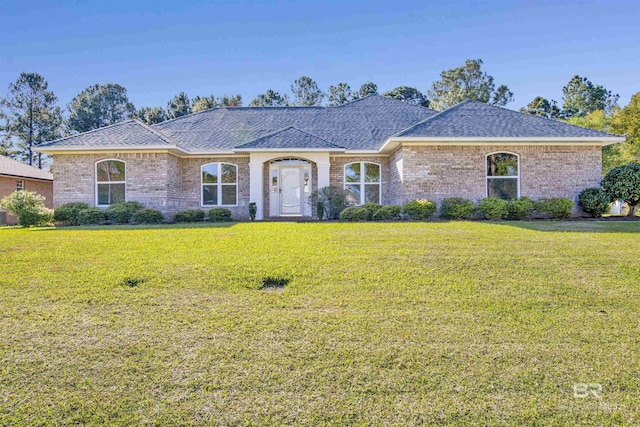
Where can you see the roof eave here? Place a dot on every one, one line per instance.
(281, 150)
(394, 142)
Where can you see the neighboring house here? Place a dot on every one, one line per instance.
(383, 150)
(15, 175)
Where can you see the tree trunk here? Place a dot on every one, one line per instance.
(632, 210)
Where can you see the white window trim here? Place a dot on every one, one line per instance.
(109, 182)
(362, 182)
(486, 171)
(20, 185)
(218, 185)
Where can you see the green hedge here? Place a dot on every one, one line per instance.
(122, 212)
(388, 212)
(148, 216)
(520, 209)
(355, 213)
(372, 208)
(419, 209)
(556, 207)
(457, 208)
(493, 208)
(594, 201)
(68, 213)
(91, 216)
(219, 215)
(191, 215)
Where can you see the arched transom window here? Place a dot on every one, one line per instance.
(503, 176)
(219, 184)
(363, 180)
(110, 182)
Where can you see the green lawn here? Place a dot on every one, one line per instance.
(460, 323)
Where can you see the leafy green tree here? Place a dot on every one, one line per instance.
(30, 116)
(407, 94)
(98, 106)
(341, 94)
(368, 88)
(270, 98)
(230, 101)
(179, 106)
(28, 206)
(467, 82)
(623, 183)
(203, 103)
(306, 92)
(625, 122)
(542, 107)
(151, 116)
(582, 97)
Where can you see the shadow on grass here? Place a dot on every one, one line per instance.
(126, 227)
(588, 226)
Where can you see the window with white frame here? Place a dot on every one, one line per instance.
(219, 184)
(110, 182)
(19, 185)
(362, 179)
(503, 176)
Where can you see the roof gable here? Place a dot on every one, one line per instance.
(479, 120)
(289, 138)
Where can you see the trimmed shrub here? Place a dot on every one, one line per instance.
(333, 199)
(457, 208)
(68, 213)
(355, 213)
(493, 208)
(148, 216)
(122, 212)
(520, 209)
(594, 201)
(23, 203)
(623, 183)
(419, 209)
(372, 208)
(387, 212)
(219, 215)
(36, 216)
(191, 215)
(91, 216)
(556, 207)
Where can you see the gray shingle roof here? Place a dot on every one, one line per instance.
(360, 125)
(15, 168)
(364, 124)
(129, 132)
(476, 119)
(289, 138)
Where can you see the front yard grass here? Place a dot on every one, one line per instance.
(459, 323)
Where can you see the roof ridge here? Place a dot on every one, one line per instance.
(85, 132)
(155, 132)
(437, 115)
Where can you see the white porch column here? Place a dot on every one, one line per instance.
(255, 185)
(323, 173)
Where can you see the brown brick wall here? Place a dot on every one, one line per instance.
(9, 184)
(190, 181)
(159, 181)
(438, 172)
(336, 172)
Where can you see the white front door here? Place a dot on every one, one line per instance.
(290, 190)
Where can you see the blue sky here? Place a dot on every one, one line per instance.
(159, 48)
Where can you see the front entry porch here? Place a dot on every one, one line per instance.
(281, 183)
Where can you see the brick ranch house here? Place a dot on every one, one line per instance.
(383, 150)
(15, 176)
